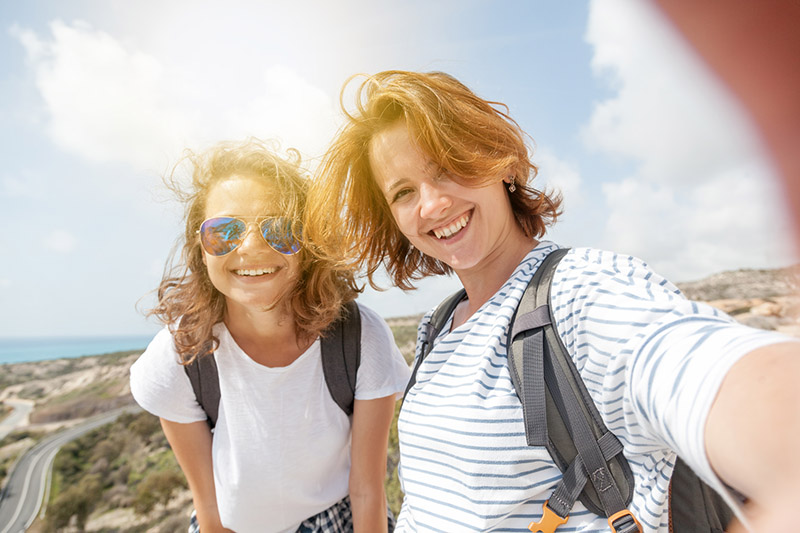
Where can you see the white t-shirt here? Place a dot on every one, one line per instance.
(281, 446)
(652, 361)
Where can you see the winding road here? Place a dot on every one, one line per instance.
(22, 497)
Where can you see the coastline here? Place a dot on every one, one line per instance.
(37, 349)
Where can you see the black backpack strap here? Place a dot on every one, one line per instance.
(560, 414)
(432, 329)
(341, 356)
(203, 375)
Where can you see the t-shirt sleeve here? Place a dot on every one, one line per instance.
(383, 370)
(159, 383)
(652, 360)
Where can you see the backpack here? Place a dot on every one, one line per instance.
(341, 356)
(560, 415)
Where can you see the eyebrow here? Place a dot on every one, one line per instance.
(398, 182)
(395, 184)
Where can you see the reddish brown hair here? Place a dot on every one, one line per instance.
(473, 139)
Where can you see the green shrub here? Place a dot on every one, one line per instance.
(393, 493)
(145, 425)
(78, 501)
(157, 487)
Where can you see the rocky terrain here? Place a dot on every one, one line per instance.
(766, 299)
(68, 390)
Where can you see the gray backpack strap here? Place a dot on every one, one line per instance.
(560, 414)
(341, 356)
(203, 375)
(432, 329)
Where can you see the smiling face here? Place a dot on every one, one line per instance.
(253, 277)
(465, 227)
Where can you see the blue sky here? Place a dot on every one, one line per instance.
(99, 98)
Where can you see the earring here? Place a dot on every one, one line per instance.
(511, 186)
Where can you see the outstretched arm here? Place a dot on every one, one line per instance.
(753, 431)
(192, 446)
(370, 436)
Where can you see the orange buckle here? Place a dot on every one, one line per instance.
(549, 522)
(616, 516)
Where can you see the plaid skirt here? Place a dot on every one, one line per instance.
(337, 518)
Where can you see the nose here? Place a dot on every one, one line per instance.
(433, 201)
(252, 239)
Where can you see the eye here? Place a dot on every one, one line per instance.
(401, 193)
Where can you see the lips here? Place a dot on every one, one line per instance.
(453, 228)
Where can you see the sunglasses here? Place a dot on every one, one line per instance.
(222, 235)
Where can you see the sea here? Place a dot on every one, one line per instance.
(29, 349)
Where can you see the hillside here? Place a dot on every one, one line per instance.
(766, 299)
(123, 477)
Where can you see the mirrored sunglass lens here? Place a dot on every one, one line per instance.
(278, 233)
(222, 235)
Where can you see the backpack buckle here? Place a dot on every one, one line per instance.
(626, 516)
(549, 521)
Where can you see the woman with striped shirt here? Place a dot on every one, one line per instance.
(432, 180)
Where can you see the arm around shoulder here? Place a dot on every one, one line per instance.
(753, 434)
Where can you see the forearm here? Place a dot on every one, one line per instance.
(753, 430)
(370, 435)
(191, 444)
(369, 510)
(205, 505)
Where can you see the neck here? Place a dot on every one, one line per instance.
(268, 337)
(486, 278)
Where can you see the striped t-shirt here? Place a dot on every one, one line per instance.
(652, 360)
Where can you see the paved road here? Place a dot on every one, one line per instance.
(24, 492)
(19, 417)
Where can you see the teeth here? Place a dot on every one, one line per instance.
(452, 229)
(255, 272)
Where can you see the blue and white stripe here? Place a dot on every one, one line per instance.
(652, 360)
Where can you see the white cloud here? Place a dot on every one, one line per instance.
(109, 102)
(60, 241)
(668, 111)
(289, 109)
(560, 175)
(5, 283)
(690, 232)
(702, 198)
(105, 103)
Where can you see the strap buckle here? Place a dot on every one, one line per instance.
(549, 522)
(622, 515)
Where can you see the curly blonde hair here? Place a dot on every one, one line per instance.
(189, 304)
(473, 139)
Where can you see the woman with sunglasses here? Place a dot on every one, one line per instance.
(283, 456)
(431, 180)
